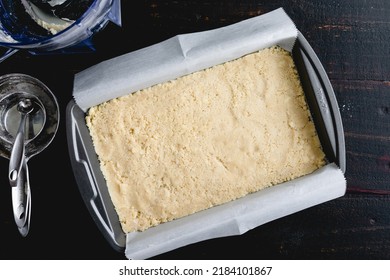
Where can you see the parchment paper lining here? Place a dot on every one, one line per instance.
(181, 55)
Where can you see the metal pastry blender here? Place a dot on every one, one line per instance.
(29, 118)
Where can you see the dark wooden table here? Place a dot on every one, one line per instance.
(351, 38)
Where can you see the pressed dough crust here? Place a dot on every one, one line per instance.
(204, 139)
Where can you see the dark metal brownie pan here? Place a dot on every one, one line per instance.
(320, 98)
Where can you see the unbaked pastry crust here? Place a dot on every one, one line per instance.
(204, 139)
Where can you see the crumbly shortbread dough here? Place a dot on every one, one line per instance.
(205, 139)
(48, 21)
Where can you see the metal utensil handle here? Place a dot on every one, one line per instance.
(19, 181)
(21, 201)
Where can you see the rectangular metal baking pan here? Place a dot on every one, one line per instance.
(321, 101)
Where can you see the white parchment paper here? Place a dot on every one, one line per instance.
(181, 55)
(184, 54)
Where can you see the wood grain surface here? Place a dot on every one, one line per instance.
(351, 39)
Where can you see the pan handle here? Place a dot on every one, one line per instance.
(90, 180)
